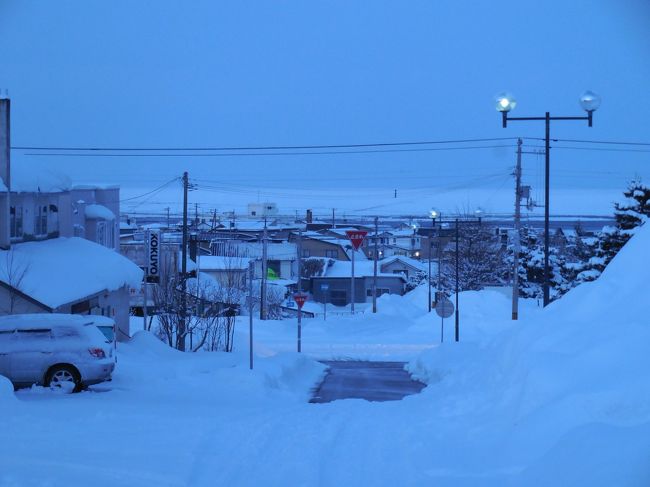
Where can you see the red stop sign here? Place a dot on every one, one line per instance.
(300, 299)
(356, 237)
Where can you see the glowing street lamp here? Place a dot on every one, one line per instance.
(590, 102)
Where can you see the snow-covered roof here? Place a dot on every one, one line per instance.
(128, 226)
(221, 263)
(34, 180)
(98, 212)
(340, 268)
(416, 264)
(61, 270)
(274, 250)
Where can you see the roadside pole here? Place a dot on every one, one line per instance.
(299, 289)
(374, 271)
(517, 250)
(251, 275)
(352, 297)
(300, 299)
(356, 238)
(147, 236)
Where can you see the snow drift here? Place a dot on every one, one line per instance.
(574, 373)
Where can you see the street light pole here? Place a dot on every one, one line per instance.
(590, 103)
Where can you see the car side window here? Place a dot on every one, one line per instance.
(34, 334)
(65, 332)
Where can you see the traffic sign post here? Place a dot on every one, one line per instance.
(300, 299)
(325, 288)
(444, 309)
(356, 238)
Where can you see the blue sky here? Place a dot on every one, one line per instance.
(241, 73)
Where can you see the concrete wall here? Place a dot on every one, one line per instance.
(395, 285)
(19, 305)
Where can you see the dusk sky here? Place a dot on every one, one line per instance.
(227, 74)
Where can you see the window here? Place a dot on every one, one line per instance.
(101, 233)
(339, 298)
(40, 220)
(16, 221)
(105, 234)
(334, 254)
(380, 291)
(306, 253)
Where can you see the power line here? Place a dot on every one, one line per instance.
(150, 192)
(257, 154)
(269, 147)
(614, 142)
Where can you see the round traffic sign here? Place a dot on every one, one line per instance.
(445, 308)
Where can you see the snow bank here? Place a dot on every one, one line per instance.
(574, 372)
(152, 364)
(7, 396)
(61, 270)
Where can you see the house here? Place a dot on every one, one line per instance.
(226, 270)
(334, 284)
(67, 275)
(393, 242)
(314, 244)
(282, 257)
(399, 264)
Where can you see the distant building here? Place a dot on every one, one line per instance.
(262, 209)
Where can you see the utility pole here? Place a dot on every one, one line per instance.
(180, 337)
(395, 193)
(196, 215)
(167, 216)
(457, 316)
(439, 294)
(299, 289)
(251, 275)
(515, 274)
(264, 276)
(333, 219)
(374, 271)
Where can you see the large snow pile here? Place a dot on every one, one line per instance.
(563, 382)
(61, 270)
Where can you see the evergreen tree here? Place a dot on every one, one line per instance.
(630, 214)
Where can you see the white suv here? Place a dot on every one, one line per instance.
(55, 350)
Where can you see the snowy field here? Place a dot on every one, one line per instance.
(559, 398)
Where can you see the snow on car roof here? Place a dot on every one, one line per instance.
(50, 320)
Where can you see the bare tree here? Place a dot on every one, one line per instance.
(15, 271)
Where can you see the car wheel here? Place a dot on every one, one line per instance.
(63, 378)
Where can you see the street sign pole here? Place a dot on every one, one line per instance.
(251, 274)
(356, 238)
(300, 299)
(352, 283)
(325, 288)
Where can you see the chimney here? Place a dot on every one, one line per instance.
(310, 216)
